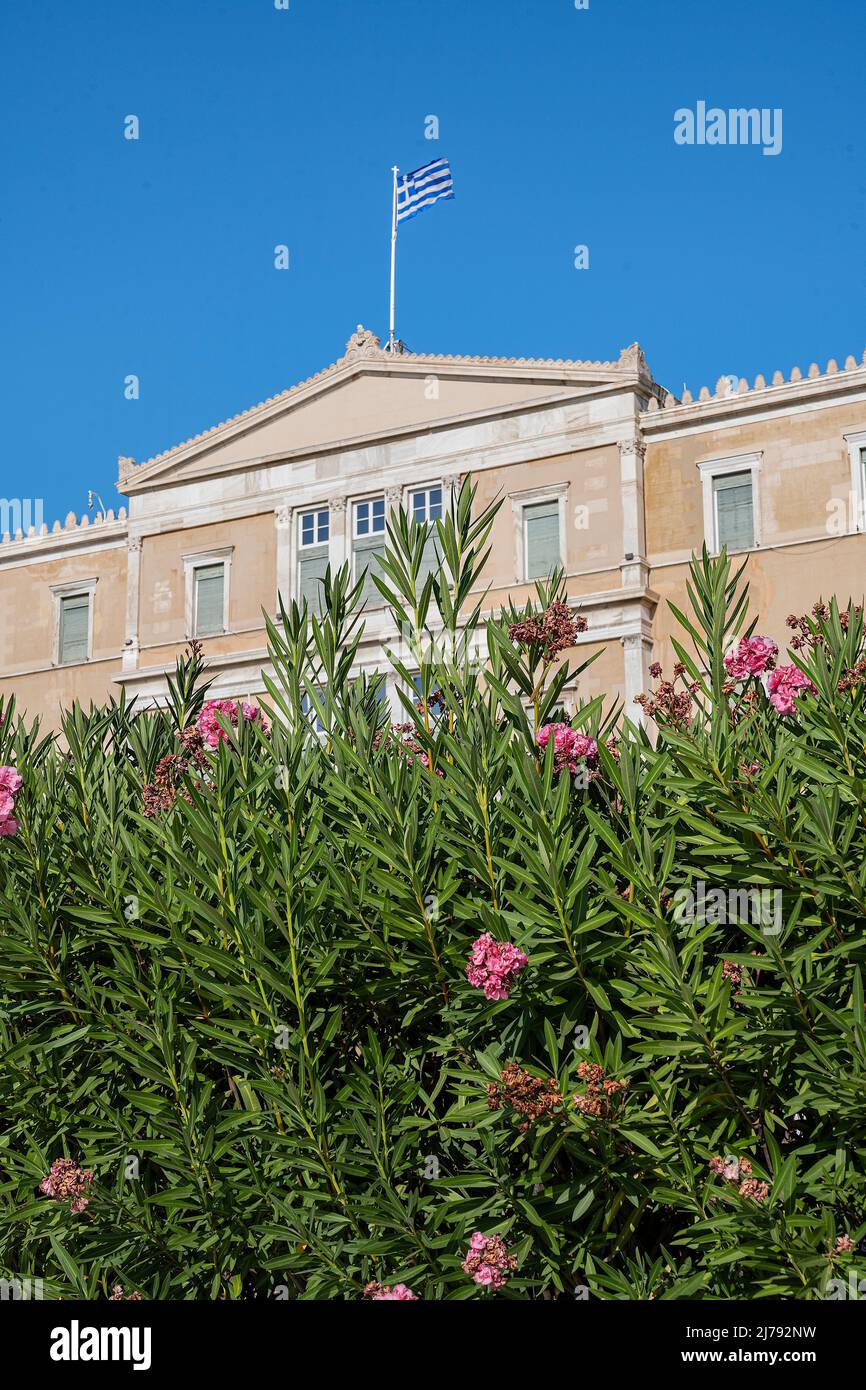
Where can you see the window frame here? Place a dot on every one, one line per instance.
(531, 497)
(375, 600)
(426, 488)
(856, 442)
(202, 560)
(370, 498)
(709, 470)
(73, 588)
(318, 513)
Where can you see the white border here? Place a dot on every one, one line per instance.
(198, 560)
(528, 498)
(71, 589)
(718, 468)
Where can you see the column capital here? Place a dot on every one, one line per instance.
(283, 516)
(337, 504)
(634, 446)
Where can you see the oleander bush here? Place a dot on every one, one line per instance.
(495, 1000)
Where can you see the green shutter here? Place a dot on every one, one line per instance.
(735, 521)
(542, 539)
(367, 548)
(209, 593)
(74, 625)
(311, 568)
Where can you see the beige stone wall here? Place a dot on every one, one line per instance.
(783, 581)
(805, 464)
(593, 518)
(27, 632)
(162, 622)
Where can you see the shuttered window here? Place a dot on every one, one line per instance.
(314, 534)
(209, 599)
(368, 544)
(735, 522)
(427, 507)
(74, 627)
(541, 530)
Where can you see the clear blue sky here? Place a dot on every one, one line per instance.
(261, 126)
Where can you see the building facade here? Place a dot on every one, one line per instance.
(601, 470)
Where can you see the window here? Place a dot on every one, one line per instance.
(735, 523)
(855, 518)
(541, 538)
(731, 502)
(368, 544)
(209, 600)
(427, 504)
(312, 717)
(74, 643)
(313, 552)
(207, 591)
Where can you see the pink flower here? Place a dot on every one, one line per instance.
(784, 685)
(568, 746)
(493, 965)
(751, 657)
(384, 1293)
(488, 1261)
(10, 780)
(67, 1182)
(208, 720)
(844, 1245)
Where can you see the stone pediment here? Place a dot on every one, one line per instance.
(370, 394)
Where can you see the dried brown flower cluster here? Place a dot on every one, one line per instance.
(529, 1096)
(598, 1102)
(804, 636)
(553, 630)
(666, 704)
(161, 794)
(739, 1170)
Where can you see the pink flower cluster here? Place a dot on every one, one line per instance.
(118, 1296)
(739, 1170)
(10, 781)
(488, 1261)
(66, 1182)
(784, 685)
(229, 710)
(568, 746)
(493, 965)
(384, 1293)
(751, 657)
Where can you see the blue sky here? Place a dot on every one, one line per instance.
(261, 127)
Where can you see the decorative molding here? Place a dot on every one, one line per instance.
(733, 394)
(363, 343)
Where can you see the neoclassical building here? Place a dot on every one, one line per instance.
(601, 470)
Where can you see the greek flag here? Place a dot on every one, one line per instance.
(422, 187)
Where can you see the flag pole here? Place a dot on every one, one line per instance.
(393, 257)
